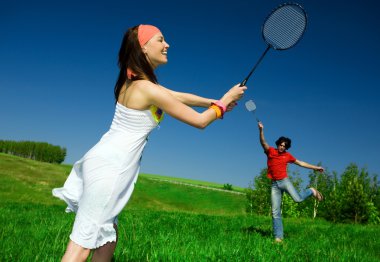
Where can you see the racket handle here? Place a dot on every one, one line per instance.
(257, 63)
(244, 82)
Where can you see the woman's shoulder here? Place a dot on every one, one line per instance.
(144, 85)
(148, 87)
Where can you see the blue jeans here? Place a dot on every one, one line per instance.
(278, 188)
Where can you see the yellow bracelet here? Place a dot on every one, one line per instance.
(222, 110)
(217, 111)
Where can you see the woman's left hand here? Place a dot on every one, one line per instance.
(231, 106)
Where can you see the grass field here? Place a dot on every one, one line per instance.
(166, 222)
(191, 182)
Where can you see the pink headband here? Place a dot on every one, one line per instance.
(144, 34)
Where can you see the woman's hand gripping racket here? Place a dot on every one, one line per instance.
(282, 29)
(251, 107)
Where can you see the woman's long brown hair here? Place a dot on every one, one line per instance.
(131, 56)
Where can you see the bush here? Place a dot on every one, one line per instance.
(227, 186)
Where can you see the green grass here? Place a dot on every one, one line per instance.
(24, 180)
(191, 182)
(158, 195)
(32, 232)
(166, 222)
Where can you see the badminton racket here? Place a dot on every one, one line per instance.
(251, 107)
(282, 29)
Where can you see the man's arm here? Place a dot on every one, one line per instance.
(263, 143)
(307, 165)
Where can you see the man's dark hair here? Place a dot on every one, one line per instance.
(288, 142)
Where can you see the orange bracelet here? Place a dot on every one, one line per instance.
(222, 111)
(217, 110)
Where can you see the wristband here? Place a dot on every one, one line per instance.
(220, 104)
(218, 111)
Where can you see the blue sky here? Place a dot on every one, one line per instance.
(58, 70)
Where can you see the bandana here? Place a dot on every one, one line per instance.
(144, 34)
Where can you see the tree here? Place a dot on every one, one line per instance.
(355, 185)
(258, 195)
(40, 151)
(331, 208)
(323, 182)
(290, 208)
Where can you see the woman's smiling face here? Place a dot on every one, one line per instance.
(156, 50)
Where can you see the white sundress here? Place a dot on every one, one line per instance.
(101, 183)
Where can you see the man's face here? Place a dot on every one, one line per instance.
(281, 147)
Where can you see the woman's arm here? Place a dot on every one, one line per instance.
(170, 104)
(190, 99)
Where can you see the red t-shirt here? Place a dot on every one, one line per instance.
(277, 163)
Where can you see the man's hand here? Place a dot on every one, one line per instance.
(261, 126)
(319, 168)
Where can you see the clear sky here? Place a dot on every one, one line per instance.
(58, 70)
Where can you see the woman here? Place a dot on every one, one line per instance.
(277, 171)
(101, 183)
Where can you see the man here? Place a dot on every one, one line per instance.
(277, 172)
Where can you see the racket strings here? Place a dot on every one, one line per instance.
(284, 27)
(250, 105)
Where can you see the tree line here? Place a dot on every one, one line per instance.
(352, 196)
(40, 151)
